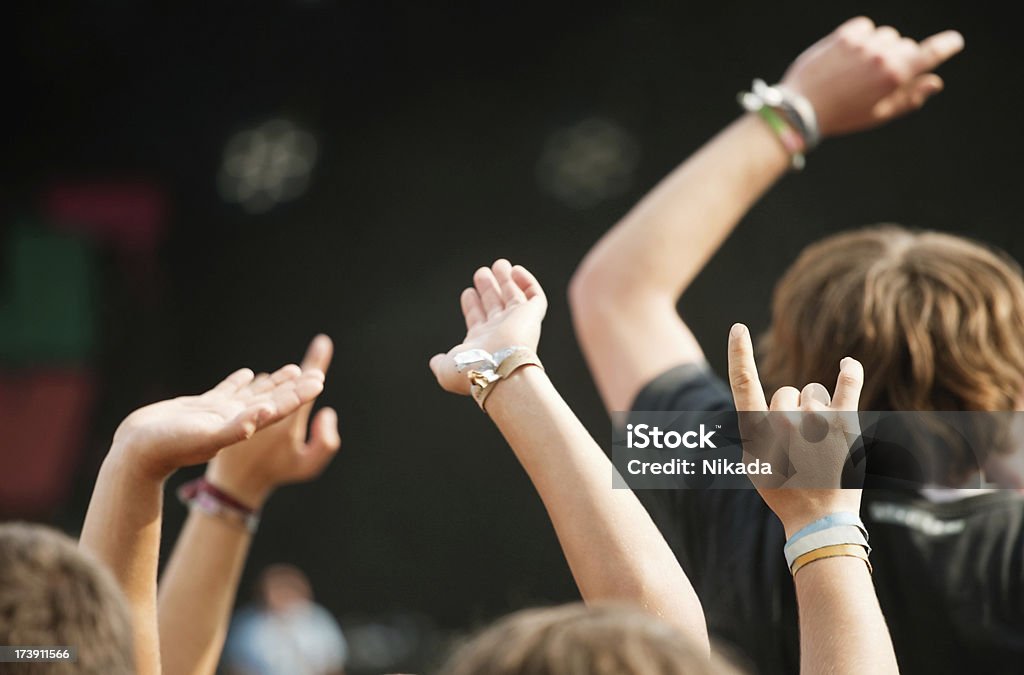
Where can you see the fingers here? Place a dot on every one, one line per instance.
(472, 308)
(786, 399)
(287, 396)
(885, 36)
(243, 426)
(319, 353)
(510, 291)
(848, 385)
(235, 381)
(528, 283)
(814, 396)
(324, 439)
(746, 386)
(856, 27)
(264, 383)
(910, 96)
(937, 49)
(490, 293)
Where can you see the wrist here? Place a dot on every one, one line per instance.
(516, 391)
(253, 491)
(127, 461)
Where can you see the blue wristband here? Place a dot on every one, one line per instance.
(836, 519)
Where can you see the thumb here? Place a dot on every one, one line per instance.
(436, 362)
(909, 97)
(324, 439)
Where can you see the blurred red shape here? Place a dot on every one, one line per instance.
(131, 215)
(44, 415)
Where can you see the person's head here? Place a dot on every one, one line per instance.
(937, 320)
(282, 587)
(579, 640)
(51, 594)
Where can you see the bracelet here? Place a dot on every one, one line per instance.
(790, 115)
(834, 551)
(843, 528)
(511, 363)
(833, 536)
(206, 497)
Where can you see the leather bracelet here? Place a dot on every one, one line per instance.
(834, 551)
(510, 364)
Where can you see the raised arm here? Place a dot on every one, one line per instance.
(198, 588)
(842, 629)
(613, 548)
(122, 526)
(624, 293)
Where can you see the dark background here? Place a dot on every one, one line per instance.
(431, 122)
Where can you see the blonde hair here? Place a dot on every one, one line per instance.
(51, 594)
(576, 639)
(937, 320)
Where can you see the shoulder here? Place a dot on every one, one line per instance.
(691, 387)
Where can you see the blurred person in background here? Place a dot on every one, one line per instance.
(285, 633)
(643, 615)
(937, 320)
(200, 583)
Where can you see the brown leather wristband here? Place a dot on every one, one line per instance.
(512, 363)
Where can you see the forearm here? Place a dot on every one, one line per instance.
(197, 593)
(613, 548)
(122, 530)
(624, 294)
(666, 239)
(842, 629)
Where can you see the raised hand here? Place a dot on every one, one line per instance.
(165, 436)
(860, 75)
(504, 308)
(817, 455)
(281, 454)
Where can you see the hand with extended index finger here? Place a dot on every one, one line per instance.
(281, 454)
(861, 76)
(806, 436)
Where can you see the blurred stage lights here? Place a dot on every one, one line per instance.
(589, 162)
(266, 165)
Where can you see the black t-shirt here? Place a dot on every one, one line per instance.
(949, 575)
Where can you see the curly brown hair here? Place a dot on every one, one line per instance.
(938, 322)
(936, 319)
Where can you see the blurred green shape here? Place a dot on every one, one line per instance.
(47, 300)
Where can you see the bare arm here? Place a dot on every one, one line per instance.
(198, 588)
(122, 526)
(612, 546)
(624, 293)
(842, 629)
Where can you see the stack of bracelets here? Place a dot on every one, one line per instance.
(838, 534)
(790, 115)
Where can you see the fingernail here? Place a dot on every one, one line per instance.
(737, 330)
